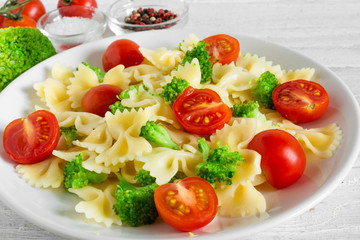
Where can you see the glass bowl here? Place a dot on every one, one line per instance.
(71, 26)
(119, 10)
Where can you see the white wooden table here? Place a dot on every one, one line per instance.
(325, 30)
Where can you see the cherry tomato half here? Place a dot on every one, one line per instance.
(283, 159)
(32, 139)
(122, 51)
(25, 21)
(222, 48)
(34, 9)
(190, 204)
(98, 99)
(300, 100)
(201, 111)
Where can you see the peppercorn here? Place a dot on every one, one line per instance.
(149, 16)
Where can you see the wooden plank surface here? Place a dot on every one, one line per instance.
(327, 31)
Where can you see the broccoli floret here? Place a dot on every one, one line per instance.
(172, 90)
(157, 135)
(138, 88)
(202, 55)
(144, 178)
(100, 74)
(118, 106)
(264, 86)
(76, 176)
(20, 49)
(247, 110)
(135, 205)
(70, 134)
(220, 165)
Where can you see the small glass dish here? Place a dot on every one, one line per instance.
(119, 10)
(71, 26)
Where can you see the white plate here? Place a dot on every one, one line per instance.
(53, 210)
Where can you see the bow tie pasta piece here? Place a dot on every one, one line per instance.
(147, 74)
(45, 174)
(321, 141)
(84, 122)
(97, 203)
(279, 120)
(304, 73)
(62, 73)
(250, 168)
(53, 93)
(190, 72)
(189, 43)
(88, 160)
(239, 200)
(258, 65)
(125, 129)
(98, 140)
(163, 59)
(164, 163)
(239, 132)
(117, 76)
(84, 79)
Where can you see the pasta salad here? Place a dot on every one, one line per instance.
(114, 145)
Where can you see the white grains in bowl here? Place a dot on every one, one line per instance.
(71, 26)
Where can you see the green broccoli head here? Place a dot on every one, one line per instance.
(70, 134)
(220, 165)
(157, 135)
(76, 176)
(139, 89)
(144, 178)
(247, 110)
(118, 106)
(135, 205)
(172, 90)
(264, 86)
(100, 74)
(20, 49)
(202, 55)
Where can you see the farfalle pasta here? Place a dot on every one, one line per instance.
(113, 144)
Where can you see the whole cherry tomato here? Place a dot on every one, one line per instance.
(222, 48)
(32, 139)
(86, 3)
(98, 99)
(23, 21)
(283, 159)
(300, 101)
(201, 111)
(34, 9)
(190, 204)
(122, 51)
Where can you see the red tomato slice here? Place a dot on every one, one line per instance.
(300, 101)
(201, 111)
(222, 48)
(188, 205)
(98, 99)
(122, 51)
(32, 139)
(283, 159)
